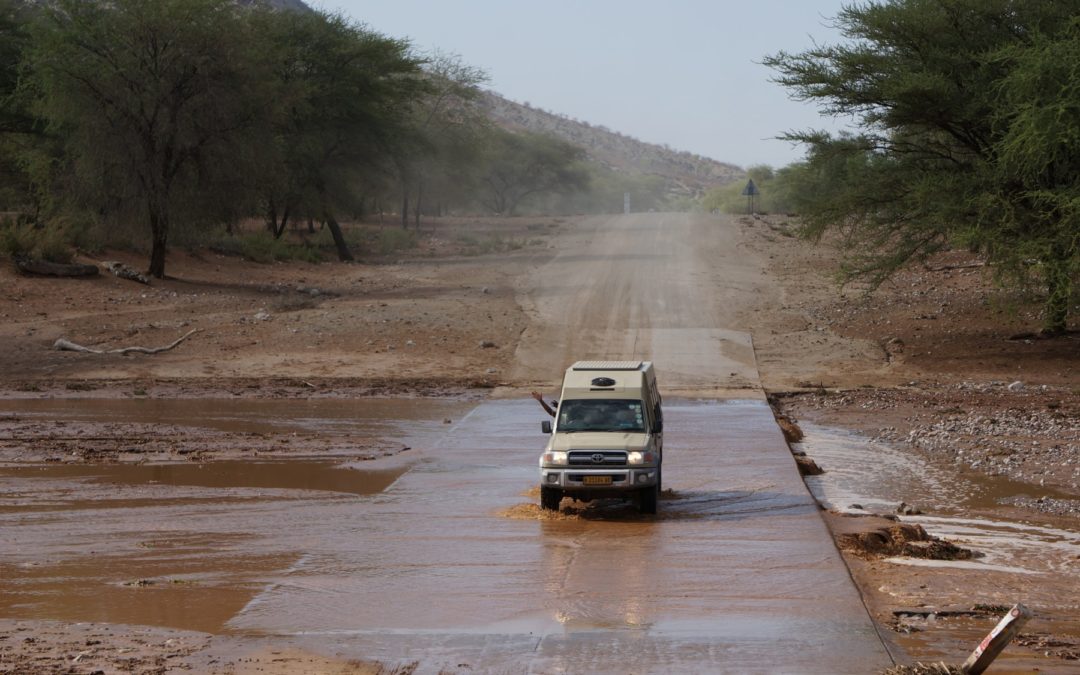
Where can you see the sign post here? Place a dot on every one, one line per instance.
(995, 641)
(750, 191)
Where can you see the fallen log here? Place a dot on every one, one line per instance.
(52, 269)
(124, 272)
(66, 345)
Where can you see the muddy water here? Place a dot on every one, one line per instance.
(285, 475)
(414, 418)
(1022, 556)
(878, 478)
(178, 545)
(736, 574)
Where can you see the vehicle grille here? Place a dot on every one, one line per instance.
(597, 458)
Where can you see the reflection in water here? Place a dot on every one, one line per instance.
(600, 580)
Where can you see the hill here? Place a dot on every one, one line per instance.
(686, 174)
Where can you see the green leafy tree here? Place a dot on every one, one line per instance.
(1036, 216)
(18, 127)
(446, 133)
(523, 165)
(345, 95)
(943, 93)
(155, 101)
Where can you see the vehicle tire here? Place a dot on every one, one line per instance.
(647, 499)
(550, 498)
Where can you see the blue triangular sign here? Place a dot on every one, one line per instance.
(750, 188)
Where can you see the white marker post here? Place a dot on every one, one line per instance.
(995, 642)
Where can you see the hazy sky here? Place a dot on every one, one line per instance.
(681, 72)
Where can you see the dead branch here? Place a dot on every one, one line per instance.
(45, 268)
(65, 345)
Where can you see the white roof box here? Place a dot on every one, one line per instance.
(607, 365)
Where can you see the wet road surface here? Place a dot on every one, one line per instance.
(450, 563)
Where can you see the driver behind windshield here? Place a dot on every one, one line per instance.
(601, 415)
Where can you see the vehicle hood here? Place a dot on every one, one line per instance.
(599, 440)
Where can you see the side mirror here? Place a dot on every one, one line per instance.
(545, 426)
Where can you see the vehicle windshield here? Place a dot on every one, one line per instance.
(601, 414)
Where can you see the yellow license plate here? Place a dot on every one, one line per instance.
(596, 480)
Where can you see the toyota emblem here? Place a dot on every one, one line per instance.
(598, 458)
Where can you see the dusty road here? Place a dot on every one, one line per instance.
(660, 286)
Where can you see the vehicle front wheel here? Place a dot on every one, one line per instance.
(550, 498)
(647, 499)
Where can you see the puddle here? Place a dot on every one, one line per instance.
(878, 477)
(187, 546)
(325, 476)
(190, 588)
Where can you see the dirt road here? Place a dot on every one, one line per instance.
(667, 287)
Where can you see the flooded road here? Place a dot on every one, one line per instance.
(446, 561)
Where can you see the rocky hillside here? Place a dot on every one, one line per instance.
(687, 174)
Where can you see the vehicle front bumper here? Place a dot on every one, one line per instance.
(577, 479)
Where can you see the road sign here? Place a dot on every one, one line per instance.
(750, 191)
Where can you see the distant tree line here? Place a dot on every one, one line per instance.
(968, 118)
(196, 114)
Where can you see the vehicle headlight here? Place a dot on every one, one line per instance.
(549, 458)
(640, 457)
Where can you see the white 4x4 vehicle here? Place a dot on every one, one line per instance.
(608, 438)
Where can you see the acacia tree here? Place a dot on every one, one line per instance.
(445, 132)
(521, 165)
(18, 127)
(152, 99)
(1037, 215)
(943, 93)
(346, 95)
